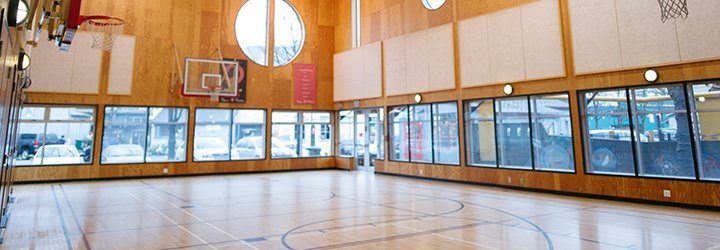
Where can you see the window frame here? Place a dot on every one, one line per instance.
(528, 98)
(432, 127)
(693, 132)
(46, 120)
(301, 123)
(147, 126)
(230, 135)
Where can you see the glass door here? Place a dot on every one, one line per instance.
(368, 138)
(362, 155)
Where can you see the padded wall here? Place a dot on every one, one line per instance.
(420, 62)
(615, 34)
(517, 44)
(358, 73)
(75, 71)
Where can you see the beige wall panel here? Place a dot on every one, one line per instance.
(699, 34)
(121, 66)
(507, 61)
(474, 52)
(441, 58)
(644, 39)
(75, 71)
(542, 40)
(596, 43)
(371, 86)
(340, 78)
(416, 62)
(86, 65)
(394, 66)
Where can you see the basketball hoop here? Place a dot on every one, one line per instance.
(104, 30)
(215, 92)
(672, 9)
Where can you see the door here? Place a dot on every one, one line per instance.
(368, 138)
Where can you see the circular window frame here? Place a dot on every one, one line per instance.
(270, 62)
(428, 7)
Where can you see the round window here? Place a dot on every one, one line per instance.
(252, 32)
(433, 4)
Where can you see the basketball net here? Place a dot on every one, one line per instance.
(215, 92)
(104, 31)
(673, 9)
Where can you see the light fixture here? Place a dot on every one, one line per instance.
(701, 99)
(418, 98)
(23, 61)
(651, 75)
(508, 89)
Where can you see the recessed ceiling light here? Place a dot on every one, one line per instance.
(418, 98)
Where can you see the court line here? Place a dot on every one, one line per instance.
(653, 218)
(62, 219)
(544, 234)
(450, 238)
(77, 222)
(173, 221)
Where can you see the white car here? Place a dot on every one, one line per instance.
(280, 149)
(57, 155)
(123, 153)
(249, 148)
(210, 149)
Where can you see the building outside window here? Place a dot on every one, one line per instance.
(398, 126)
(513, 133)
(55, 135)
(248, 134)
(301, 134)
(144, 134)
(445, 133)
(346, 133)
(706, 110)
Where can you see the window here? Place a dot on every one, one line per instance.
(55, 135)
(248, 135)
(480, 127)
(666, 132)
(227, 134)
(513, 133)
(301, 134)
(421, 134)
(433, 4)
(552, 133)
(355, 8)
(706, 110)
(399, 133)
(143, 134)
(346, 134)
(252, 31)
(425, 133)
(608, 137)
(445, 133)
(660, 120)
(167, 135)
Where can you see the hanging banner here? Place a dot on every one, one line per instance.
(305, 83)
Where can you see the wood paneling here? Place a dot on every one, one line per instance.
(198, 28)
(383, 20)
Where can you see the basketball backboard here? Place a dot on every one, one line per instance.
(201, 75)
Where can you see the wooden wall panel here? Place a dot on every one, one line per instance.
(198, 28)
(390, 20)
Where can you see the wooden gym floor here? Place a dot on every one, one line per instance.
(337, 209)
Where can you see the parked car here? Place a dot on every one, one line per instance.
(28, 143)
(123, 153)
(57, 155)
(210, 149)
(249, 148)
(281, 150)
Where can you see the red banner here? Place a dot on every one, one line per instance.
(305, 83)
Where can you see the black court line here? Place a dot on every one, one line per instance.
(539, 229)
(62, 219)
(77, 222)
(653, 218)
